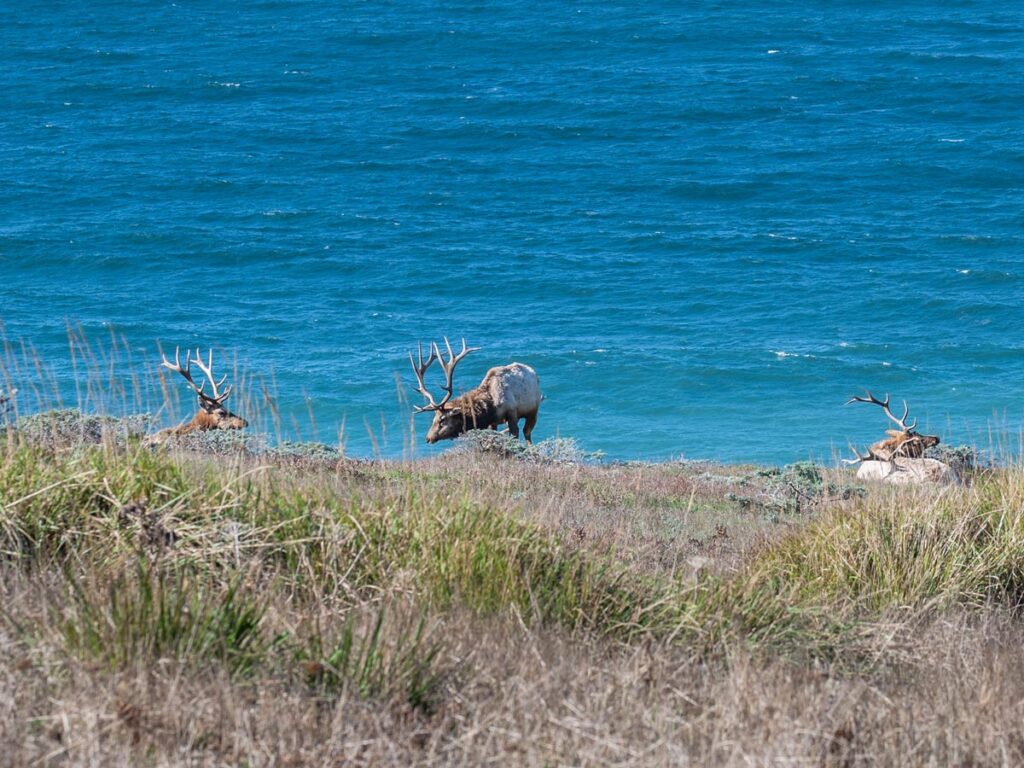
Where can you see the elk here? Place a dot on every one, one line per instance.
(506, 394)
(901, 443)
(212, 413)
(7, 401)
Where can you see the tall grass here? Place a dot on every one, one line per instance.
(153, 613)
(402, 663)
(458, 553)
(898, 552)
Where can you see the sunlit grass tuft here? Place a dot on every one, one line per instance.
(153, 612)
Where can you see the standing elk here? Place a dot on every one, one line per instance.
(212, 413)
(506, 394)
(901, 443)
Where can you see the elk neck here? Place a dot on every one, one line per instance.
(477, 408)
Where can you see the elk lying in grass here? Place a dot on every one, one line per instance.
(506, 394)
(212, 413)
(901, 443)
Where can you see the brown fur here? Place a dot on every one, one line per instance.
(901, 443)
(219, 418)
(473, 410)
(908, 444)
(479, 409)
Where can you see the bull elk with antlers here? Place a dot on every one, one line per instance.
(506, 394)
(901, 443)
(212, 413)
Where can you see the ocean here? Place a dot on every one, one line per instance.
(706, 226)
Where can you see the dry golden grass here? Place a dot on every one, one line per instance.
(175, 608)
(527, 697)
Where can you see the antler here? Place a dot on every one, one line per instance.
(449, 371)
(216, 398)
(860, 458)
(419, 370)
(885, 406)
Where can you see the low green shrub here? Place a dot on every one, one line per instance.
(796, 487)
(219, 442)
(554, 450)
(962, 459)
(70, 427)
(312, 453)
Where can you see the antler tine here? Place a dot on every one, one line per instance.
(420, 370)
(869, 399)
(223, 395)
(454, 359)
(186, 371)
(903, 421)
(884, 404)
(207, 369)
(176, 365)
(859, 459)
(449, 367)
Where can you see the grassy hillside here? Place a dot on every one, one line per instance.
(291, 607)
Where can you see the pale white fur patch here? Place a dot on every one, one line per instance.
(514, 389)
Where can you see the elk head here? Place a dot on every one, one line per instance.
(903, 442)
(212, 413)
(449, 420)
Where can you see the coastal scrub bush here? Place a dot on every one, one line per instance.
(69, 427)
(553, 450)
(803, 484)
(962, 459)
(304, 453)
(219, 442)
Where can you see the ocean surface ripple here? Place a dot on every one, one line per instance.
(705, 229)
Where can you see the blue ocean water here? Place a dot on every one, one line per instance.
(704, 226)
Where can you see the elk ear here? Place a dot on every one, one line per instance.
(894, 433)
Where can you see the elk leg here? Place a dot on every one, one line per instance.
(531, 422)
(513, 426)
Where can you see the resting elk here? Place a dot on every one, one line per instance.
(903, 442)
(506, 394)
(212, 413)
